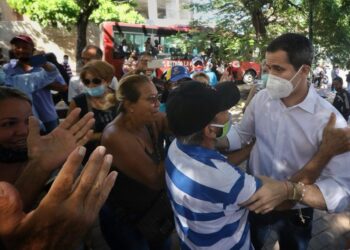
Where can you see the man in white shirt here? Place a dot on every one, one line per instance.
(287, 120)
(76, 87)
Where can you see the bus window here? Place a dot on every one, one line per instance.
(125, 43)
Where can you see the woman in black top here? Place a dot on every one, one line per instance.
(135, 139)
(98, 98)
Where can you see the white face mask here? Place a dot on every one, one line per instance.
(279, 87)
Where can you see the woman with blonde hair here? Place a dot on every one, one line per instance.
(98, 98)
(137, 214)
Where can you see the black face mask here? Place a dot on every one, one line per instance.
(8, 155)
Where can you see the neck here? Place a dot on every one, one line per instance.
(208, 143)
(130, 122)
(298, 95)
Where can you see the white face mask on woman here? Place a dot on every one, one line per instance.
(279, 87)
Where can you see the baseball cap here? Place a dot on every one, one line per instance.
(192, 106)
(23, 38)
(177, 73)
(197, 59)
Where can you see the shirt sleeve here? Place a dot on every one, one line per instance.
(32, 81)
(73, 88)
(334, 182)
(244, 131)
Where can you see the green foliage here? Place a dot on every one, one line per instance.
(48, 12)
(108, 10)
(239, 22)
(66, 12)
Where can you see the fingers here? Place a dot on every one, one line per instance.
(108, 185)
(82, 141)
(251, 200)
(33, 127)
(71, 119)
(90, 173)
(331, 121)
(64, 181)
(83, 124)
(10, 208)
(102, 185)
(83, 128)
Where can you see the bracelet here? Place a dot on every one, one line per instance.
(293, 195)
(303, 189)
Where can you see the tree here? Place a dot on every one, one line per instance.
(77, 13)
(244, 25)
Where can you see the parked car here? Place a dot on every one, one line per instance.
(245, 71)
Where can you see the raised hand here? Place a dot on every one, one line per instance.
(66, 212)
(51, 150)
(335, 140)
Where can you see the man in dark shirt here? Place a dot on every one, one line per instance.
(341, 100)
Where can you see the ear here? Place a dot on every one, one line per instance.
(306, 69)
(209, 132)
(128, 106)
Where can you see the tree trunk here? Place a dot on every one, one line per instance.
(258, 21)
(82, 24)
(311, 20)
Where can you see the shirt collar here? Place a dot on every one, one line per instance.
(309, 103)
(199, 152)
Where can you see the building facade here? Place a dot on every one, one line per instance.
(165, 12)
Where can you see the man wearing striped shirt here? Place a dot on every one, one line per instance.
(205, 190)
(210, 196)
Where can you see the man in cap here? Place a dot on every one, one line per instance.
(174, 76)
(207, 192)
(197, 65)
(32, 77)
(205, 189)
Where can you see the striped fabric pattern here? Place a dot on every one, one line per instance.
(205, 190)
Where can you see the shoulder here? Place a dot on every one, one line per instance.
(323, 111)
(75, 80)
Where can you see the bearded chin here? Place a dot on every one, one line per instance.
(9, 155)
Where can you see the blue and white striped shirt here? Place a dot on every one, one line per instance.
(205, 190)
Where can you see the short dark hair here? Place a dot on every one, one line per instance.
(298, 48)
(8, 92)
(338, 79)
(99, 53)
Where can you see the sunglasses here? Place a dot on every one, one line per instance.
(94, 80)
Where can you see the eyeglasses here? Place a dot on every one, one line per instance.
(94, 80)
(154, 99)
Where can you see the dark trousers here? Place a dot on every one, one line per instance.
(119, 234)
(293, 234)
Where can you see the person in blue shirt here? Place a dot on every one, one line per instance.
(23, 74)
(213, 80)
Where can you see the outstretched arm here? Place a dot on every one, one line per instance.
(334, 141)
(47, 153)
(66, 212)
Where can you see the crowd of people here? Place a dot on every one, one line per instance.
(145, 157)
